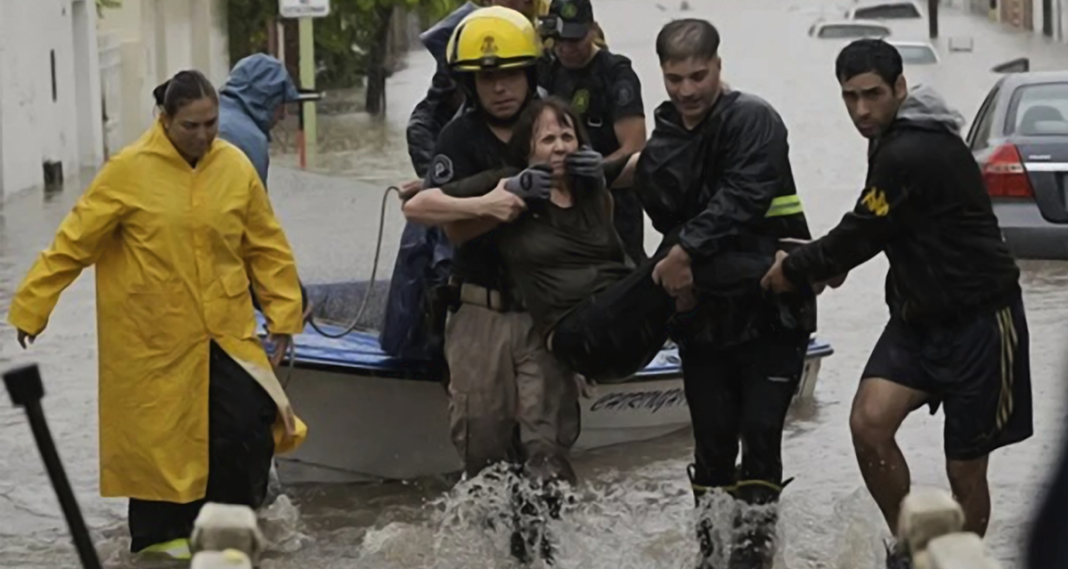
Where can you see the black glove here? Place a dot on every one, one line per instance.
(585, 162)
(534, 183)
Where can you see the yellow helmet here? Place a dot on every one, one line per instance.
(493, 38)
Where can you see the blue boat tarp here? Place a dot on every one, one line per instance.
(360, 354)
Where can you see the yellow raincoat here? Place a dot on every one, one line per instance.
(174, 248)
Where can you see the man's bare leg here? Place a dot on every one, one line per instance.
(968, 480)
(879, 408)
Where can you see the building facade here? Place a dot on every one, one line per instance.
(1048, 18)
(76, 84)
(50, 97)
(145, 42)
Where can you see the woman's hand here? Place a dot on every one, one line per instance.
(25, 337)
(281, 343)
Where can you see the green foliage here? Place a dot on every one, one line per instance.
(247, 22)
(342, 40)
(102, 4)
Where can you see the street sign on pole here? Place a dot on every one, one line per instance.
(304, 8)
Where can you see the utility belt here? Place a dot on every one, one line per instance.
(478, 295)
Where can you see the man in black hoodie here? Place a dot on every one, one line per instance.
(716, 172)
(957, 333)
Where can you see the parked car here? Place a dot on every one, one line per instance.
(916, 52)
(848, 29)
(893, 10)
(907, 19)
(1020, 139)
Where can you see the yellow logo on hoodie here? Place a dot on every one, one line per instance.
(875, 201)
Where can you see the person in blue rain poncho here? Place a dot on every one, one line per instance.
(251, 103)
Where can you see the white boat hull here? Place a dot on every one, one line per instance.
(365, 428)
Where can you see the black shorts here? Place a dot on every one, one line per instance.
(979, 369)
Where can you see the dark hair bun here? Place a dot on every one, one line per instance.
(160, 92)
(182, 89)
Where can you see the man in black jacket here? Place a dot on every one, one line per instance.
(717, 171)
(957, 333)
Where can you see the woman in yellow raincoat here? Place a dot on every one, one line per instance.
(178, 224)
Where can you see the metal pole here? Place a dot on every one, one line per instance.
(25, 389)
(307, 82)
(932, 18)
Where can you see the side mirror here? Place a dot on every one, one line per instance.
(964, 44)
(1019, 65)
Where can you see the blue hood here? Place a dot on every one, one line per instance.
(260, 83)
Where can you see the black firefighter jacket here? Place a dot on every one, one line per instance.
(728, 189)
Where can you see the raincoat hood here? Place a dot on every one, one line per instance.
(924, 106)
(260, 83)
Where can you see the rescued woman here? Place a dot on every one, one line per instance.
(597, 312)
(178, 225)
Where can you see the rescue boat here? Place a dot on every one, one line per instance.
(373, 417)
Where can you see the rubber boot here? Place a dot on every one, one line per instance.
(531, 533)
(755, 524)
(705, 535)
(897, 555)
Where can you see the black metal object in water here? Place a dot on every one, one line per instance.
(932, 18)
(26, 390)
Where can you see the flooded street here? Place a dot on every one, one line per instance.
(635, 505)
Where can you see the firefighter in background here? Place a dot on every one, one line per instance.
(606, 93)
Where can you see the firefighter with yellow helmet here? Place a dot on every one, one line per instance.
(511, 401)
(444, 100)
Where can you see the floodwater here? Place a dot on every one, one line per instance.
(634, 507)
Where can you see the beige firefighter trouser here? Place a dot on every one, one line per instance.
(501, 378)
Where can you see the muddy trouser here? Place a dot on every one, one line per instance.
(240, 448)
(629, 220)
(503, 380)
(741, 395)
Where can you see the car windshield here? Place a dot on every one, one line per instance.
(839, 31)
(1038, 110)
(916, 54)
(887, 12)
